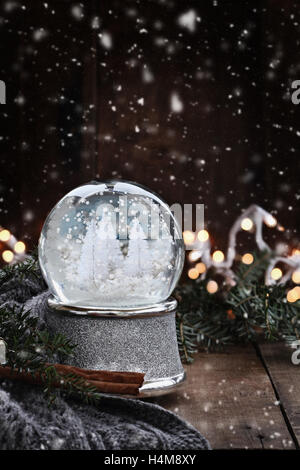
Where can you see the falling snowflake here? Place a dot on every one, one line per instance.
(95, 23)
(147, 75)
(77, 12)
(39, 34)
(188, 20)
(106, 40)
(176, 103)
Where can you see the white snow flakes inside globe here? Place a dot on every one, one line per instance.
(112, 244)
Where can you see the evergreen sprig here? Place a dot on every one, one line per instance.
(242, 313)
(21, 270)
(32, 351)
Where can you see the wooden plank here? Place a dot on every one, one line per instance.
(286, 380)
(230, 399)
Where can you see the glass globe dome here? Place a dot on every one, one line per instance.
(111, 244)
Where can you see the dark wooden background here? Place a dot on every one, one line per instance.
(73, 108)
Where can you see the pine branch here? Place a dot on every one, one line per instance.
(241, 314)
(24, 269)
(30, 351)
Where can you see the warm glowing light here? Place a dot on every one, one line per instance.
(19, 247)
(247, 258)
(193, 273)
(297, 290)
(246, 224)
(188, 237)
(8, 256)
(296, 252)
(270, 221)
(293, 295)
(230, 314)
(203, 235)
(194, 255)
(201, 268)
(212, 287)
(218, 256)
(276, 274)
(4, 235)
(296, 277)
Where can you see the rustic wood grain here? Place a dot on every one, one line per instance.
(230, 399)
(286, 380)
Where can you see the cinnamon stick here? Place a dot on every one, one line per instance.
(123, 383)
(103, 375)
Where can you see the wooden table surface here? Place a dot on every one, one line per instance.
(245, 397)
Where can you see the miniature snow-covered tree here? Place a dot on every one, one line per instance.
(109, 257)
(87, 270)
(71, 254)
(163, 247)
(138, 259)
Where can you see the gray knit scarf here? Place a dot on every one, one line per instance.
(27, 422)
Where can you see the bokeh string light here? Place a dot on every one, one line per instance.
(247, 258)
(212, 287)
(201, 268)
(296, 277)
(12, 250)
(247, 224)
(5, 235)
(194, 255)
(293, 295)
(20, 247)
(276, 274)
(193, 273)
(7, 256)
(188, 237)
(251, 220)
(292, 264)
(218, 256)
(203, 235)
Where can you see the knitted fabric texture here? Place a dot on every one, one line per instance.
(27, 422)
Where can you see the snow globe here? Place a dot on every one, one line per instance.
(111, 253)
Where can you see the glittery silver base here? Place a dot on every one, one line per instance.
(147, 344)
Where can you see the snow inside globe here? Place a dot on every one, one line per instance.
(111, 244)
